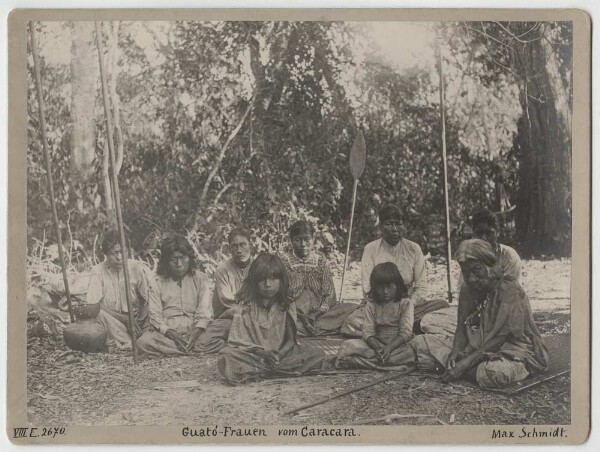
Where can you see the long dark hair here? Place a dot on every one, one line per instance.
(171, 245)
(301, 227)
(385, 273)
(265, 266)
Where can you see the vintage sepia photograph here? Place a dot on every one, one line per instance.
(322, 225)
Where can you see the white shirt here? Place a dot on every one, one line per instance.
(407, 256)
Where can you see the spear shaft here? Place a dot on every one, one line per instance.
(445, 167)
(354, 190)
(40, 97)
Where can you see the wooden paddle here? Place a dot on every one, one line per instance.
(358, 158)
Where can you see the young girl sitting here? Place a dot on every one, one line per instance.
(262, 340)
(387, 327)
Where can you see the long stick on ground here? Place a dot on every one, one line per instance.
(40, 97)
(445, 167)
(115, 185)
(393, 376)
(358, 157)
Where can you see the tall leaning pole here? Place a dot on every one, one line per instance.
(40, 98)
(444, 161)
(115, 185)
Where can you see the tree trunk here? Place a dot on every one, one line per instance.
(83, 94)
(543, 144)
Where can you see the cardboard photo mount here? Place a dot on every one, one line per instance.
(575, 433)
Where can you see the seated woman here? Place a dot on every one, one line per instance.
(107, 287)
(409, 259)
(311, 285)
(229, 275)
(388, 323)
(262, 340)
(180, 308)
(496, 341)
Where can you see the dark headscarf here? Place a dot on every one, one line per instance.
(476, 249)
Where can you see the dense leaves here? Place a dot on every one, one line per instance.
(252, 122)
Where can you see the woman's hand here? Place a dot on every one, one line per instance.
(454, 356)
(194, 335)
(454, 373)
(180, 342)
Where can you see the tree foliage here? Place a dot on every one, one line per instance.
(251, 123)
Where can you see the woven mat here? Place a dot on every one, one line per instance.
(329, 344)
(559, 349)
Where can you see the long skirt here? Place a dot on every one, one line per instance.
(357, 353)
(239, 366)
(117, 330)
(155, 344)
(352, 325)
(330, 323)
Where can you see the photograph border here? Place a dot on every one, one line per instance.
(580, 303)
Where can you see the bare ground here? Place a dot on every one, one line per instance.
(72, 388)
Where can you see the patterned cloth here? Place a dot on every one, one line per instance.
(407, 256)
(228, 278)
(181, 305)
(311, 282)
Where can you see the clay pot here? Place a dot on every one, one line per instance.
(85, 334)
(86, 311)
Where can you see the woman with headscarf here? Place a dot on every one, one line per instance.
(496, 340)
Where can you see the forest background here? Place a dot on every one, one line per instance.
(225, 123)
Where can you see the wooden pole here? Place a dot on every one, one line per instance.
(115, 185)
(354, 190)
(40, 97)
(393, 376)
(445, 167)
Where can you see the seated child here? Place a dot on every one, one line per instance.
(387, 327)
(262, 339)
(311, 285)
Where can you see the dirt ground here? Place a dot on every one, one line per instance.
(73, 388)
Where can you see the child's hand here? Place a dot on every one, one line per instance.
(385, 353)
(271, 357)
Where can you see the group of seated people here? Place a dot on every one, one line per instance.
(261, 304)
